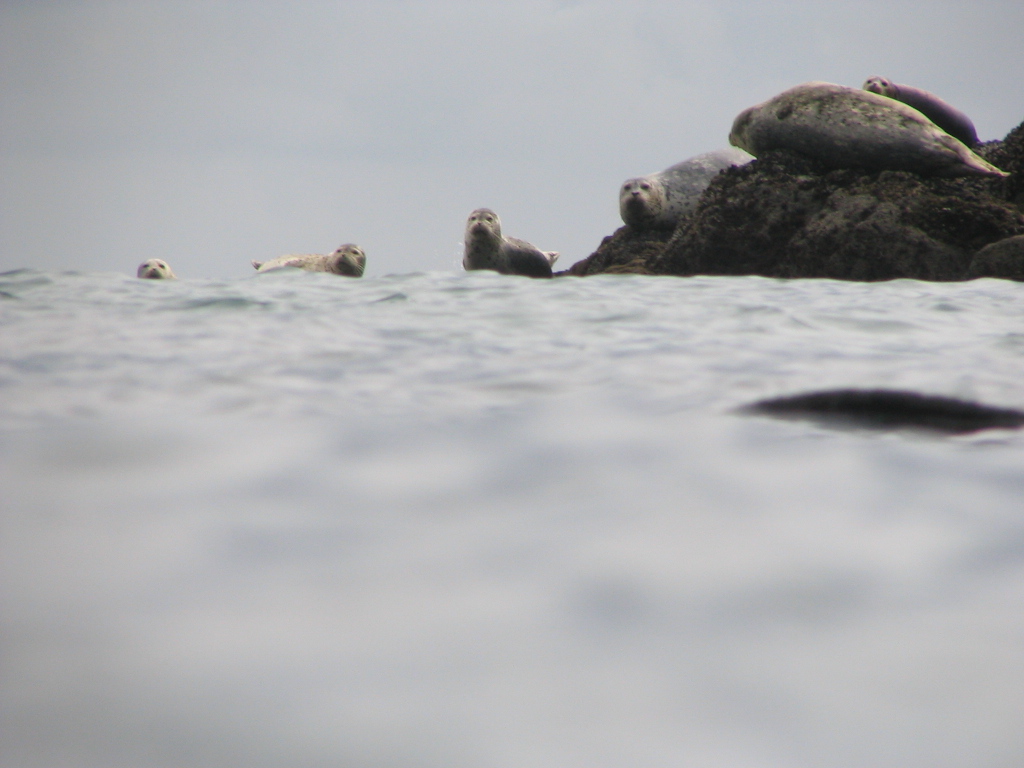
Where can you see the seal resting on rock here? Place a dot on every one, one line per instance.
(659, 200)
(348, 260)
(844, 127)
(485, 248)
(156, 269)
(947, 117)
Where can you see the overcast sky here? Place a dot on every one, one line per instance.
(212, 133)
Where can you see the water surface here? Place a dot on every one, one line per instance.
(476, 520)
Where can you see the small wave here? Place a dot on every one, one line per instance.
(17, 279)
(225, 302)
(391, 297)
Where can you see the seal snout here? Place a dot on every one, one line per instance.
(479, 229)
(155, 269)
(483, 221)
(880, 85)
(348, 260)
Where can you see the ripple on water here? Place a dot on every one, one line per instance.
(225, 302)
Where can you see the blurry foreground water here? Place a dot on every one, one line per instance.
(480, 521)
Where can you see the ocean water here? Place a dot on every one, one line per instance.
(472, 520)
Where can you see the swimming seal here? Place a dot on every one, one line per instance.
(485, 248)
(844, 127)
(348, 260)
(155, 269)
(660, 200)
(947, 117)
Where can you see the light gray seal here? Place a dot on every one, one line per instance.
(485, 248)
(348, 260)
(946, 116)
(844, 127)
(660, 200)
(156, 269)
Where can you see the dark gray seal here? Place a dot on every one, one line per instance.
(485, 248)
(660, 200)
(844, 127)
(348, 260)
(946, 116)
(155, 269)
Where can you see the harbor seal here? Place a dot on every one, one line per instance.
(844, 127)
(156, 269)
(659, 200)
(348, 260)
(947, 117)
(485, 248)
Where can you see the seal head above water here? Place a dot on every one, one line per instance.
(486, 248)
(947, 117)
(348, 260)
(660, 200)
(844, 127)
(155, 269)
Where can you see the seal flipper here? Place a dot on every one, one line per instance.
(971, 164)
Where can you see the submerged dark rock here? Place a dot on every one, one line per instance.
(784, 215)
(889, 409)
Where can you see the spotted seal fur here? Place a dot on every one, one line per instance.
(155, 269)
(348, 260)
(660, 200)
(844, 127)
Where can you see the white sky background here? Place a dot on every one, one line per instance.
(213, 133)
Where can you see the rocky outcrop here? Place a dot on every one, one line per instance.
(1003, 258)
(626, 251)
(784, 215)
(1008, 155)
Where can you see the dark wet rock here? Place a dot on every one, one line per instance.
(889, 409)
(626, 251)
(1008, 155)
(1004, 258)
(784, 215)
